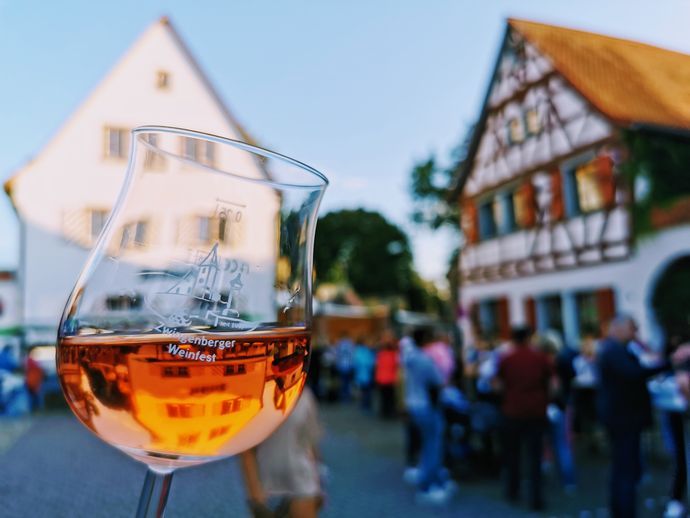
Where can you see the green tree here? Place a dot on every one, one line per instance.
(433, 207)
(430, 185)
(656, 168)
(361, 248)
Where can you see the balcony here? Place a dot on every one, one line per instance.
(583, 240)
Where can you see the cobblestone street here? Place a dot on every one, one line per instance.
(53, 467)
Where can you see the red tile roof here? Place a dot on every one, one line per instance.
(628, 81)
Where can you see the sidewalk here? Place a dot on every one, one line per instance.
(54, 467)
(384, 441)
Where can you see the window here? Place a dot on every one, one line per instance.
(223, 229)
(204, 229)
(175, 372)
(218, 432)
(162, 79)
(532, 121)
(201, 151)
(184, 410)
(230, 228)
(587, 310)
(571, 194)
(115, 142)
(98, 218)
(487, 224)
(504, 212)
(189, 148)
(595, 309)
(187, 439)
(524, 205)
(590, 195)
(208, 389)
(488, 318)
(134, 234)
(152, 159)
(123, 302)
(231, 370)
(516, 130)
(140, 232)
(551, 315)
(230, 405)
(208, 149)
(493, 319)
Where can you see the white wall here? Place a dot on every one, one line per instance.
(633, 281)
(71, 174)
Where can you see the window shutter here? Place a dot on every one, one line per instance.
(525, 206)
(557, 205)
(606, 305)
(470, 223)
(607, 181)
(503, 318)
(531, 313)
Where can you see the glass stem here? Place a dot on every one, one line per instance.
(154, 494)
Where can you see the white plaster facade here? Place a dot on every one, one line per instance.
(633, 281)
(156, 82)
(580, 252)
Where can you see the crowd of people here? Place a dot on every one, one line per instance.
(486, 408)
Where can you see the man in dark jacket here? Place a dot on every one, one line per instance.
(524, 375)
(625, 410)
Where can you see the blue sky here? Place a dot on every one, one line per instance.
(359, 89)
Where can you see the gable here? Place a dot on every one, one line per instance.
(531, 118)
(628, 81)
(73, 163)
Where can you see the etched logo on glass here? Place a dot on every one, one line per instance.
(207, 294)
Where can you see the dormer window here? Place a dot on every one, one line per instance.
(532, 121)
(162, 80)
(516, 130)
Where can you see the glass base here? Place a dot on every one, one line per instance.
(164, 462)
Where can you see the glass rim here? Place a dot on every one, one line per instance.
(238, 144)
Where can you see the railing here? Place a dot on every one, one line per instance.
(582, 240)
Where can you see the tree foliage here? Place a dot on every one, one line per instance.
(657, 169)
(361, 248)
(430, 183)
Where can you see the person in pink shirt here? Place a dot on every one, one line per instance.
(442, 355)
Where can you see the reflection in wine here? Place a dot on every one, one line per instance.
(134, 393)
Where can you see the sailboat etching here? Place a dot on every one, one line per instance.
(207, 306)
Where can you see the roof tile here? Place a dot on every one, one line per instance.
(628, 81)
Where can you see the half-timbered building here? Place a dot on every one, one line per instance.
(545, 208)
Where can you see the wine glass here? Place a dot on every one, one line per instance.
(187, 335)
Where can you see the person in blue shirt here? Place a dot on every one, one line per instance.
(344, 357)
(423, 384)
(364, 364)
